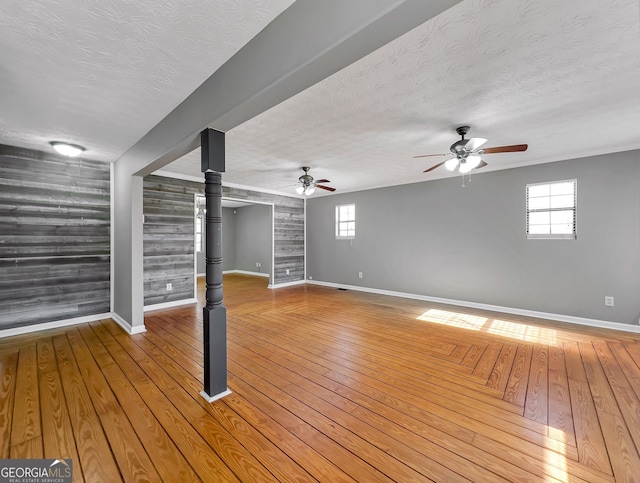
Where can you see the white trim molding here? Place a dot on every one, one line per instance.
(286, 284)
(169, 305)
(210, 399)
(603, 324)
(27, 329)
(129, 329)
(246, 272)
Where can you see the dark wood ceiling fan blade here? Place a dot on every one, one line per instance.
(325, 188)
(436, 166)
(481, 165)
(323, 181)
(430, 155)
(505, 149)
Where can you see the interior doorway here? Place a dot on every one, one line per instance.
(247, 238)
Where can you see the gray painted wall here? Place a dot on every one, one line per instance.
(253, 238)
(54, 237)
(228, 239)
(439, 239)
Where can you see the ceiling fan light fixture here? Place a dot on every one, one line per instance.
(300, 189)
(309, 190)
(465, 168)
(451, 164)
(473, 161)
(66, 149)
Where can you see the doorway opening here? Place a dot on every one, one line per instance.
(247, 238)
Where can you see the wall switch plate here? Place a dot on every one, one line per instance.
(169, 287)
(608, 301)
(287, 271)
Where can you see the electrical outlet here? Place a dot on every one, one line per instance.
(359, 274)
(608, 300)
(287, 271)
(310, 277)
(169, 287)
(257, 264)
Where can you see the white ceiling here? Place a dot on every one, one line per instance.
(102, 73)
(560, 76)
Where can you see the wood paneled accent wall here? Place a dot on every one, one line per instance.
(169, 233)
(54, 237)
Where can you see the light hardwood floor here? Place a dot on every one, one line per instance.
(328, 385)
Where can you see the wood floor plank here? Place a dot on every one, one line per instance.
(446, 408)
(626, 363)
(57, 432)
(589, 439)
(488, 360)
(131, 457)
(166, 456)
(538, 385)
(8, 370)
(502, 369)
(206, 463)
(94, 452)
(277, 462)
(26, 436)
(559, 403)
(516, 390)
(329, 385)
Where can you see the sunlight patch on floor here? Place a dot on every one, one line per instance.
(504, 328)
(525, 332)
(454, 319)
(556, 466)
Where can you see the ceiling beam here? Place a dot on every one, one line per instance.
(306, 43)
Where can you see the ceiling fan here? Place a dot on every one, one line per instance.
(308, 185)
(465, 153)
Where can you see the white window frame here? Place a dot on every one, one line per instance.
(553, 236)
(198, 230)
(340, 221)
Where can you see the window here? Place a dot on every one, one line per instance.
(199, 227)
(551, 210)
(345, 221)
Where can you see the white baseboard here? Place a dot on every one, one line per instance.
(168, 305)
(246, 272)
(202, 274)
(27, 329)
(286, 284)
(129, 329)
(603, 324)
(216, 396)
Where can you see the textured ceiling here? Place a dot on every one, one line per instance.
(102, 73)
(560, 76)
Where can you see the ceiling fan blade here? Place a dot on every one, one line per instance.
(436, 166)
(506, 149)
(481, 165)
(323, 181)
(325, 188)
(474, 143)
(430, 155)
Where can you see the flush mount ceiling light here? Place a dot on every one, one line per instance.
(66, 149)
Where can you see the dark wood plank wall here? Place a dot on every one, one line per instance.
(54, 237)
(169, 232)
(168, 238)
(288, 227)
